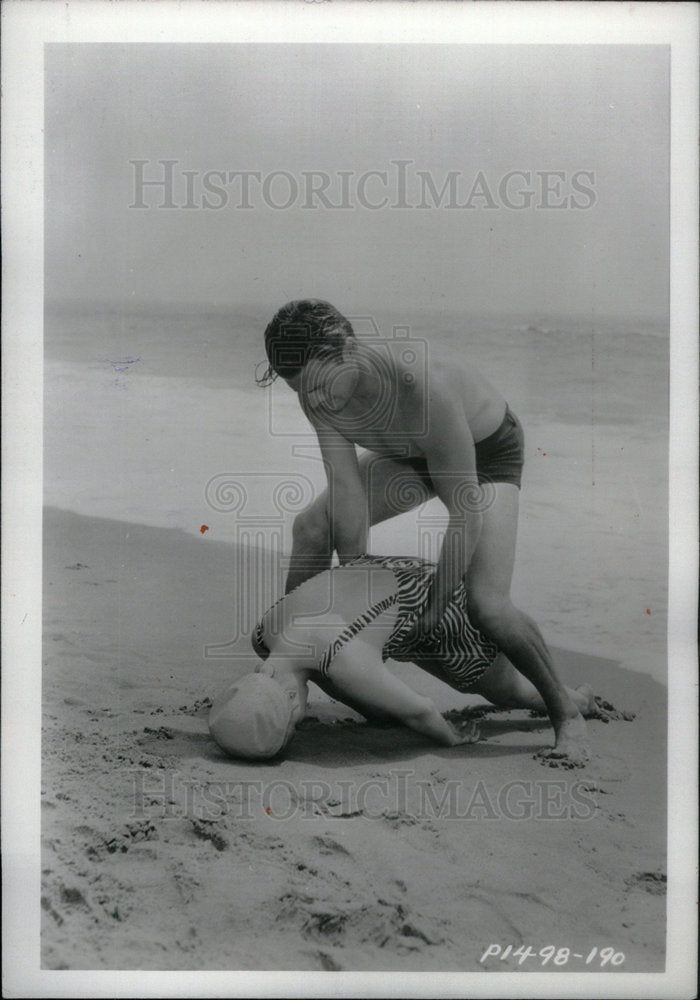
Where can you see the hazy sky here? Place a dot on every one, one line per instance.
(476, 111)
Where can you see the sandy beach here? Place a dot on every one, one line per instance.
(364, 848)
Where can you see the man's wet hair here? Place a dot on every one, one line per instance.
(301, 330)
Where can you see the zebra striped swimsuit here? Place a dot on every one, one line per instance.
(454, 651)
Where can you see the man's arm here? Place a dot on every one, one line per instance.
(451, 458)
(347, 524)
(347, 502)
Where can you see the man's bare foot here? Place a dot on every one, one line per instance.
(583, 699)
(571, 745)
(606, 712)
(585, 702)
(592, 706)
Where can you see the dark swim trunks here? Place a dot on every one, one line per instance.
(499, 457)
(455, 651)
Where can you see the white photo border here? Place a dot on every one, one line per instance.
(27, 26)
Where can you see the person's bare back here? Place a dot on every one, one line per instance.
(386, 398)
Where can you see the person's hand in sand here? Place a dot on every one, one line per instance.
(430, 429)
(466, 731)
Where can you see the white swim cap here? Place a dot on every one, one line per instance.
(252, 717)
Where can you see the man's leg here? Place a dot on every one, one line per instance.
(391, 486)
(506, 687)
(491, 609)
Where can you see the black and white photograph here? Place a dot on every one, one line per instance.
(357, 483)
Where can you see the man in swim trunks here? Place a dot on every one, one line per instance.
(444, 432)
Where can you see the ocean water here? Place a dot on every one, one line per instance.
(152, 415)
(212, 344)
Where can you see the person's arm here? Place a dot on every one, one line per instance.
(347, 501)
(374, 715)
(358, 674)
(450, 455)
(347, 511)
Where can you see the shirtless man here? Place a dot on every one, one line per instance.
(447, 433)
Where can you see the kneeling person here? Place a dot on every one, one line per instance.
(369, 606)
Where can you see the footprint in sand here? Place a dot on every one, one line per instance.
(326, 845)
(73, 897)
(210, 830)
(326, 961)
(398, 819)
(100, 845)
(52, 912)
(653, 882)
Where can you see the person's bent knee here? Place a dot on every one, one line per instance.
(499, 620)
(488, 611)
